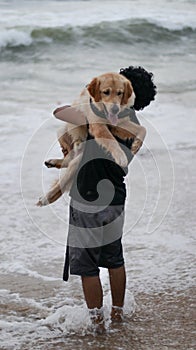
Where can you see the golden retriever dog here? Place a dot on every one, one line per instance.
(106, 103)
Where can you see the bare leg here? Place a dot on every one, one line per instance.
(92, 291)
(117, 284)
(93, 294)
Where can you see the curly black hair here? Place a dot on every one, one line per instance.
(143, 86)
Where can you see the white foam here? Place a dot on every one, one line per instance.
(64, 316)
(68, 318)
(76, 318)
(59, 14)
(19, 268)
(13, 37)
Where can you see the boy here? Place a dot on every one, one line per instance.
(97, 209)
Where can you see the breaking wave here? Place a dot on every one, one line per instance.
(116, 32)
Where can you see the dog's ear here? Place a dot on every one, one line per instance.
(93, 89)
(128, 92)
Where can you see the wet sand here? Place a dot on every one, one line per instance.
(162, 321)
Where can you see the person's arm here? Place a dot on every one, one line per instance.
(139, 131)
(133, 117)
(70, 115)
(136, 129)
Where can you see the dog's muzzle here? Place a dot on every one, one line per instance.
(114, 109)
(112, 116)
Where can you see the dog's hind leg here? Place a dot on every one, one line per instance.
(57, 163)
(64, 163)
(63, 185)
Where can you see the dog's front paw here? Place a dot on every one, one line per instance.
(42, 202)
(120, 158)
(136, 145)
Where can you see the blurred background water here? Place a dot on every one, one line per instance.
(49, 51)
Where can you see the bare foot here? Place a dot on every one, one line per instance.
(116, 314)
(97, 319)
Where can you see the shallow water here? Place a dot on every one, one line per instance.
(45, 60)
(163, 320)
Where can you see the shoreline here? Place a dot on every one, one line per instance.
(161, 321)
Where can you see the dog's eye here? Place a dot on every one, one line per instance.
(119, 93)
(106, 92)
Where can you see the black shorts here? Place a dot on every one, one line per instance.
(94, 239)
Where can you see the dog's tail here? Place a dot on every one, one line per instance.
(62, 185)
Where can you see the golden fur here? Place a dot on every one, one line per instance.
(111, 93)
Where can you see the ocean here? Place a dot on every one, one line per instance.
(49, 50)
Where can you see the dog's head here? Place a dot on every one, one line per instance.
(112, 92)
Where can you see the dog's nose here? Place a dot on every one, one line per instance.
(115, 109)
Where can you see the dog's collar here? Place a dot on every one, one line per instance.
(97, 111)
(127, 112)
